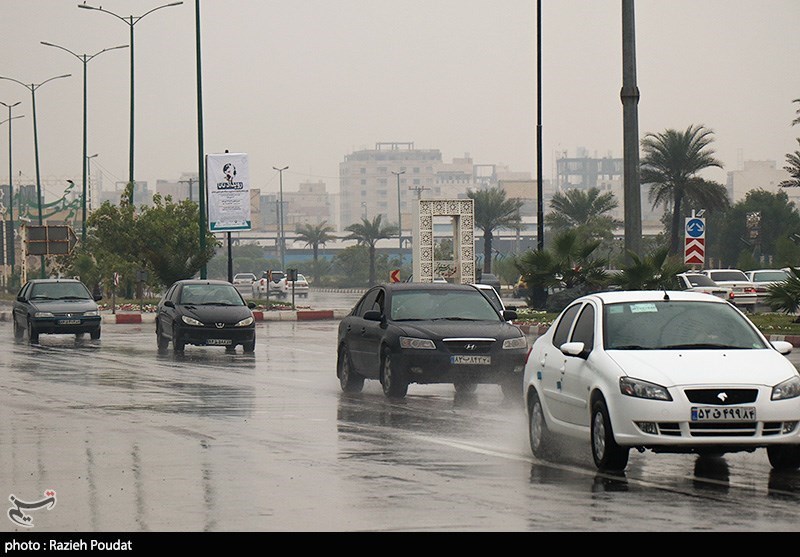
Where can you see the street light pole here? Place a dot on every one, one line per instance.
(32, 88)
(84, 58)
(130, 21)
(399, 214)
(280, 217)
(10, 181)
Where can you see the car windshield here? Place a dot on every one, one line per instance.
(210, 295)
(728, 275)
(674, 325)
(60, 291)
(770, 276)
(469, 305)
(700, 280)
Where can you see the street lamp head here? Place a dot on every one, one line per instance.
(280, 169)
(10, 105)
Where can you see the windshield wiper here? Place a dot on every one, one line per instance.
(453, 319)
(699, 346)
(72, 298)
(631, 347)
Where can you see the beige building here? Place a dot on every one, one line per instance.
(765, 175)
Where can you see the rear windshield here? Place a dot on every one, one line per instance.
(728, 275)
(700, 280)
(770, 276)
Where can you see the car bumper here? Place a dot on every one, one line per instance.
(670, 425)
(206, 336)
(66, 325)
(422, 366)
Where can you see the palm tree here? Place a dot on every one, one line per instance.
(793, 168)
(368, 233)
(796, 120)
(315, 236)
(670, 165)
(493, 210)
(655, 271)
(584, 210)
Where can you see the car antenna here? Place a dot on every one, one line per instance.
(666, 296)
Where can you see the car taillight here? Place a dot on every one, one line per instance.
(750, 290)
(731, 295)
(528, 355)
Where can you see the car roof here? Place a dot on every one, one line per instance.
(618, 296)
(204, 281)
(53, 280)
(399, 286)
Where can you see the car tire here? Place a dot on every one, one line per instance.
(393, 380)
(95, 335)
(177, 340)
(19, 332)
(465, 386)
(33, 335)
(249, 347)
(784, 457)
(539, 436)
(607, 454)
(349, 380)
(161, 341)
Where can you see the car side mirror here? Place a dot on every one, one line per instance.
(20, 299)
(373, 315)
(576, 349)
(169, 304)
(97, 297)
(251, 305)
(509, 315)
(782, 346)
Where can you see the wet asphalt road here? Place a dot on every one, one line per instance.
(134, 440)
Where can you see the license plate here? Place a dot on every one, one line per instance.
(69, 321)
(471, 360)
(714, 414)
(218, 342)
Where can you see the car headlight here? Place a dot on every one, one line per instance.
(642, 389)
(244, 322)
(418, 343)
(93, 313)
(40, 314)
(191, 321)
(514, 343)
(788, 389)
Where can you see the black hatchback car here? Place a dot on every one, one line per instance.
(401, 333)
(205, 313)
(55, 306)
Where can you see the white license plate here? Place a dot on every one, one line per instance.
(471, 360)
(732, 414)
(219, 342)
(69, 321)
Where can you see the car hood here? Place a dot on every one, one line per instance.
(438, 329)
(701, 367)
(65, 306)
(217, 314)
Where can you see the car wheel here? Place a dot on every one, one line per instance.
(94, 335)
(33, 335)
(393, 380)
(249, 347)
(540, 438)
(177, 340)
(784, 457)
(349, 380)
(607, 454)
(19, 332)
(161, 340)
(465, 386)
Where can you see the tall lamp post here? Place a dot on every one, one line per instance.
(84, 58)
(32, 88)
(10, 181)
(280, 218)
(130, 21)
(399, 214)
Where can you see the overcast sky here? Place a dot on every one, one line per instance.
(305, 82)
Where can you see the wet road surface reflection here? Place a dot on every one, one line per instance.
(136, 440)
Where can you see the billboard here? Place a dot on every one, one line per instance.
(228, 192)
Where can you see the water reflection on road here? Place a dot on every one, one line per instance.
(133, 439)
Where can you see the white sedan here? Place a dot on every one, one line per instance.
(672, 372)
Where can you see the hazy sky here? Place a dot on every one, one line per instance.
(305, 82)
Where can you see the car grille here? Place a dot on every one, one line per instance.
(469, 345)
(721, 397)
(720, 429)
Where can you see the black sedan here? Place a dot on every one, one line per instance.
(402, 333)
(55, 306)
(205, 313)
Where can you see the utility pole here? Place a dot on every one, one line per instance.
(190, 181)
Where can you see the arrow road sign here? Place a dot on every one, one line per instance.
(394, 275)
(695, 251)
(695, 227)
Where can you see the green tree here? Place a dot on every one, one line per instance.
(584, 210)
(670, 165)
(654, 271)
(793, 168)
(785, 296)
(315, 236)
(493, 210)
(368, 233)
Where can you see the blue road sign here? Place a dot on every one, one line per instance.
(695, 228)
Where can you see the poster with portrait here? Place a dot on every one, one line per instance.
(228, 187)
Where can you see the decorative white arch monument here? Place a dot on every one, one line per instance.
(461, 269)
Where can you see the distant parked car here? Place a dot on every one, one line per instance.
(765, 278)
(698, 282)
(243, 279)
(55, 306)
(300, 287)
(271, 282)
(205, 313)
(745, 296)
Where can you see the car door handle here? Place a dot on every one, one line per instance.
(363, 330)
